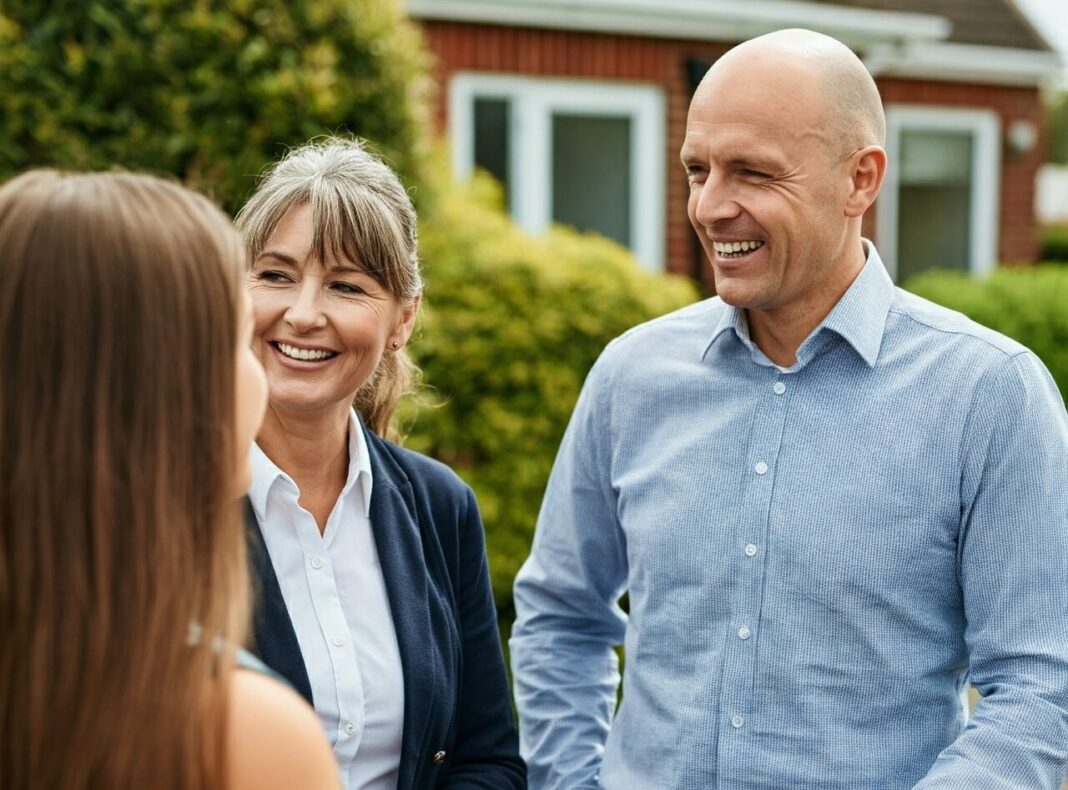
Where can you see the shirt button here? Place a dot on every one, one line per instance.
(744, 632)
(438, 758)
(338, 641)
(737, 722)
(750, 550)
(761, 468)
(349, 728)
(317, 562)
(778, 388)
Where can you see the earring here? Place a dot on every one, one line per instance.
(395, 345)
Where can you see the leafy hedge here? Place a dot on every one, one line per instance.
(1055, 243)
(209, 92)
(1029, 304)
(512, 325)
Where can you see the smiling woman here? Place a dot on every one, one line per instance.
(376, 595)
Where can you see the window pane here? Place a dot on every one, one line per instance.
(491, 140)
(591, 174)
(934, 201)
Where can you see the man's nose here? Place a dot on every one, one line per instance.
(306, 312)
(715, 202)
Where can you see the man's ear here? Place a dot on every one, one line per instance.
(867, 171)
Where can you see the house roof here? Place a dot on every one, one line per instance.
(991, 23)
(985, 41)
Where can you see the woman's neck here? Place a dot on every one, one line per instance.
(313, 449)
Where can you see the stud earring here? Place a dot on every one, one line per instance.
(395, 345)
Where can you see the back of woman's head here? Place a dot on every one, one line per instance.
(361, 213)
(118, 334)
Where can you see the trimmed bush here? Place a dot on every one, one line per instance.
(208, 92)
(511, 326)
(1055, 243)
(1029, 304)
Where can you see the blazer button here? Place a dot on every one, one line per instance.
(439, 758)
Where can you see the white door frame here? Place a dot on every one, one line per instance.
(985, 128)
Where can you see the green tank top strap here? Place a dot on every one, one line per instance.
(243, 659)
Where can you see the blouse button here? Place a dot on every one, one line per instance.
(439, 758)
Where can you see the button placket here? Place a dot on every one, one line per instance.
(746, 603)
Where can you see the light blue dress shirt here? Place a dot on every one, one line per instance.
(818, 560)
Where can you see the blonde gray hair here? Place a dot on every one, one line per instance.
(362, 213)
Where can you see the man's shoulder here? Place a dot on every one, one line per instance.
(942, 325)
(679, 332)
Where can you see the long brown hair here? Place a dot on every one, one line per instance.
(118, 530)
(360, 211)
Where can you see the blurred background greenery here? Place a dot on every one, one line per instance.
(212, 91)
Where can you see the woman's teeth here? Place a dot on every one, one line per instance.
(304, 354)
(735, 249)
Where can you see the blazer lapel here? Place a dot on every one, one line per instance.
(275, 640)
(400, 552)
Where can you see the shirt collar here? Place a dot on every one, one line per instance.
(859, 317)
(265, 473)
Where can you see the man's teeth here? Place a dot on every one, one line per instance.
(305, 354)
(735, 247)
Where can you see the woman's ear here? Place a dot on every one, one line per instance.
(405, 323)
(866, 178)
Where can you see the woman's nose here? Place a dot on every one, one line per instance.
(305, 313)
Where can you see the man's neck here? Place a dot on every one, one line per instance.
(780, 331)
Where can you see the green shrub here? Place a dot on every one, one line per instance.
(209, 92)
(1055, 243)
(511, 326)
(1029, 304)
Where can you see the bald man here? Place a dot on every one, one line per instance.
(831, 504)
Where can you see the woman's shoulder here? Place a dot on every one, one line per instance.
(421, 470)
(275, 738)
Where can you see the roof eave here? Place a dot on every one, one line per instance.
(950, 62)
(710, 20)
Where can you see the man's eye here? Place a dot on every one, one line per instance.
(749, 173)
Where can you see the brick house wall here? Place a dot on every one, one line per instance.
(662, 62)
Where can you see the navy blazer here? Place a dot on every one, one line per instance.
(459, 731)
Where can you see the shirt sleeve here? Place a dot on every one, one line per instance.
(1013, 565)
(566, 596)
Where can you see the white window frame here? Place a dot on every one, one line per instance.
(985, 128)
(533, 102)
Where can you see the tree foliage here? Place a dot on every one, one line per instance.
(511, 327)
(206, 90)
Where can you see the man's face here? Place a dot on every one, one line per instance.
(768, 184)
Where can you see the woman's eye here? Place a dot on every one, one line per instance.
(347, 288)
(273, 277)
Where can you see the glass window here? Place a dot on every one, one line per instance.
(491, 143)
(935, 199)
(591, 174)
(579, 152)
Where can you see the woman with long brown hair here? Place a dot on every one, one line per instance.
(128, 402)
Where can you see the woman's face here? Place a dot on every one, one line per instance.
(321, 326)
(251, 401)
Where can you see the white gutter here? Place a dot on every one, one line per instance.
(963, 63)
(710, 20)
